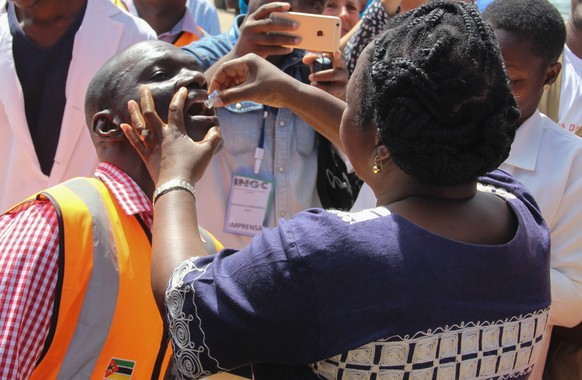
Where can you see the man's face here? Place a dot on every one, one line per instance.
(308, 6)
(527, 72)
(24, 4)
(576, 13)
(162, 4)
(165, 69)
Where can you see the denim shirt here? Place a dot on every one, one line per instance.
(290, 148)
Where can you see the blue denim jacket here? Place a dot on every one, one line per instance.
(290, 145)
(210, 49)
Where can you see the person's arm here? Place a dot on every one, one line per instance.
(261, 35)
(348, 36)
(255, 79)
(29, 245)
(170, 154)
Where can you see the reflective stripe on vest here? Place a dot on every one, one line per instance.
(107, 321)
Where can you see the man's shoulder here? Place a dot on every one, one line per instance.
(553, 134)
(107, 12)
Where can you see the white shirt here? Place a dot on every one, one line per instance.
(366, 199)
(186, 24)
(570, 112)
(548, 161)
(105, 30)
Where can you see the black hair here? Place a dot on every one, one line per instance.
(536, 22)
(438, 94)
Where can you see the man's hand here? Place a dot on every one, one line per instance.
(263, 36)
(332, 81)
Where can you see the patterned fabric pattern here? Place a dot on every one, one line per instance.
(473, 351)
(476, 312)
(373, 22)
(188, 354)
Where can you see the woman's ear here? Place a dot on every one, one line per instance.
(552, 72)
(381, 153)
(105, 128)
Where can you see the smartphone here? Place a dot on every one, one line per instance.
(321, 63)
(318, 33)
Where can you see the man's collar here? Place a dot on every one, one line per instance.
(124, 189)
(525, 147)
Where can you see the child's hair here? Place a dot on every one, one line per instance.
(536, 22)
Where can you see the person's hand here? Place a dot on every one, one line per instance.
(166, 149)
(251, 78)
(332, 81)
(265, 36)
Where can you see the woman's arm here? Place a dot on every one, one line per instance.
(253, 78)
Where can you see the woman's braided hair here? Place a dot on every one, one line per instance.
(438, 94)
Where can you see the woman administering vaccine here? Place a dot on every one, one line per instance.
(446, 278)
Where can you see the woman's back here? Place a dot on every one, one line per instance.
(374, 293)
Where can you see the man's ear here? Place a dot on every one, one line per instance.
(552, 72)
(105, 128)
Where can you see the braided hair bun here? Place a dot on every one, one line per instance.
(440, 96)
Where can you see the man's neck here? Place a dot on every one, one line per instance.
(574, 38)
(161, 20)
(47, 21)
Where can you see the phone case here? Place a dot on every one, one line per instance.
(318, 33)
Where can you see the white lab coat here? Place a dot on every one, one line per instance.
(104, 31)
(548, 161)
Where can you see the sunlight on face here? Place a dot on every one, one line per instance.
(347, 10)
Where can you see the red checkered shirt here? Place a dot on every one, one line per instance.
(29, 246)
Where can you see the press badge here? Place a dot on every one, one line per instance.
(249, 203)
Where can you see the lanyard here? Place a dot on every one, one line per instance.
(260, 151)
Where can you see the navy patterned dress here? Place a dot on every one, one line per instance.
(367, 295)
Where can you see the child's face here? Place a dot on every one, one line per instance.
(527, 72)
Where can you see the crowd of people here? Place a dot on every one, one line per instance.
(410, 212)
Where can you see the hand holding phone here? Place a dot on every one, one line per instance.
(321, 63)
(317, 32)
(328, 72)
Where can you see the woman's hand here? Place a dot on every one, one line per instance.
(166, 149)
(332, 81)
(252, 78)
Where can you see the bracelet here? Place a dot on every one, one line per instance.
(171, 185)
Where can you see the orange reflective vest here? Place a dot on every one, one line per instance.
(186, 38)
(105, 323)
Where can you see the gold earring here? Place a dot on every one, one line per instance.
(547, 87)
(377, 168)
